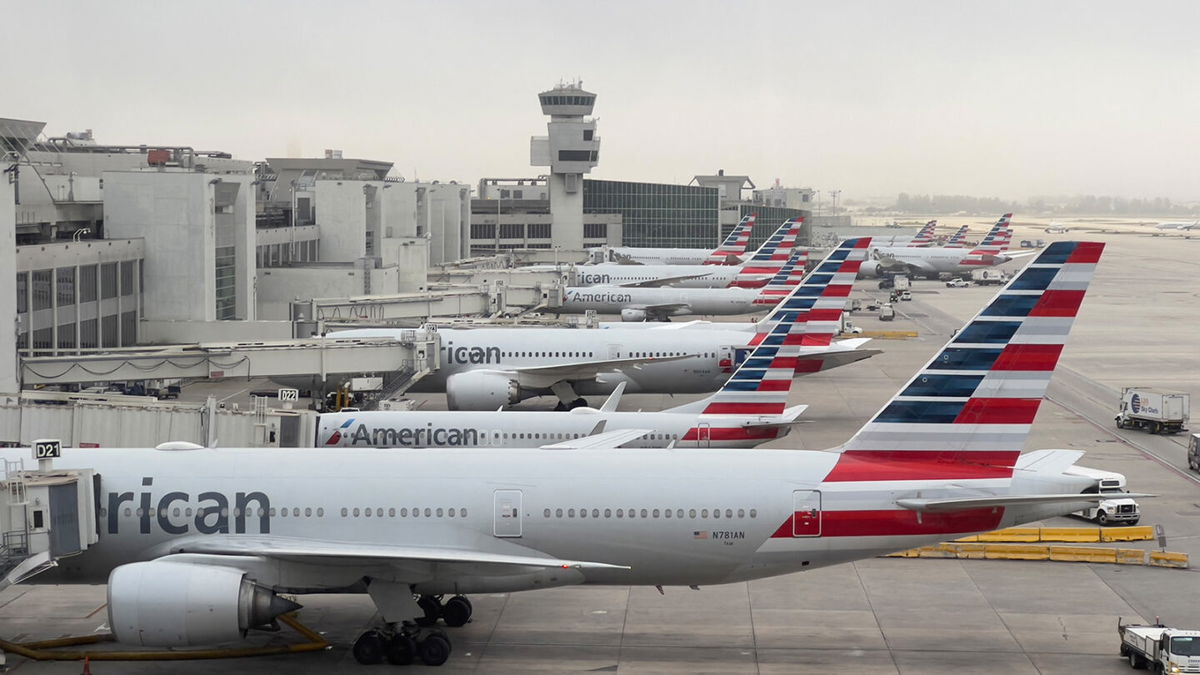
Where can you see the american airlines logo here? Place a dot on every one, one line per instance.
(600, 296)
(179, 512)
(472, 354)
(426, 436)
(594, 278)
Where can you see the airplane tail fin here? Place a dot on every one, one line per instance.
(967, 413)
(821, 297)
(734, 244)
(924, 238)
(958, 239)
(997, 239)
(787, 278)
(772, 255)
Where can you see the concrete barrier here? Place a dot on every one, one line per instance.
(1075, 535)
(1168, 559)
(999, 551)
(1096, 554)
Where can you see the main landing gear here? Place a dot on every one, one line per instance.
(405, 643)
(402, 645)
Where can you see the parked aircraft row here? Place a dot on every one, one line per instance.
(747, 410)
(199, 546)
(932, 261)
(488, 368)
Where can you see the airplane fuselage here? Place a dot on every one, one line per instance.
(663, 256)
(605, 274)
(673, 517)
(702, 301)
(520, 429)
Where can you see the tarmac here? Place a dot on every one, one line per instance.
(1138, 326)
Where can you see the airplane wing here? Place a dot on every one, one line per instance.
(963, 504)
(1019, 254)
(663, 309)
(840, 358)
(544, 376)
(608, 439)
(665, 281)
(324, 552)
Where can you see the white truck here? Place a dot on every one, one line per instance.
(988, 277)
(1162, 649)
(1155, 410)
(1119, 510)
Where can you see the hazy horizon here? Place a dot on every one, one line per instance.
(872, 98)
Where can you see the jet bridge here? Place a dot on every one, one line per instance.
(45, 515)
(409, 357)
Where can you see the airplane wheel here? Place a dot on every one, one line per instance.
(368, 648)
(434, 650)
(579, 403)
(401, 650)
(432, 608)
(457, 611)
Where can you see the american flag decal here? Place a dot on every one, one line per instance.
(700, 534)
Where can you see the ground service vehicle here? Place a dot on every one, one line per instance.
(1162, 649)
(1120, 509)
(1193, 453)
(956, 283)
(1155, 410)
(887, 312)
(906, 295)
(988, 277)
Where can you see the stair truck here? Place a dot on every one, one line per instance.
(1155, 410)
(1162, 649)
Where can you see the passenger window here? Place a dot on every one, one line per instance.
(439, 512)
(753, 513)
(404, 512)
(558, 513)
(679, 513)
(428, 512)
(728, 513)
(356, 512)
(570, 513)
(703, 513)
(608, 513)
(668, 513)
(595, 513)
(644, 513)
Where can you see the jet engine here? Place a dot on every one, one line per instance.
(869, 268)
(633, 315)
(481, 390)
(176, 604)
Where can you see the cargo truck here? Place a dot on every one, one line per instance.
(1162, 649)
(988, 277)
(1155, 410)
(1119, 510)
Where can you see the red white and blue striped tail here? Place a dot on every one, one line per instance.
(924, 238)
(785, 280)
(958, 239)
(770, 257)
(997, 239)
(735, 244)
(967, 413)
(818, 302)
(761, 383)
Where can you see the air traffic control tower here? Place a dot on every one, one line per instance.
(571, 150)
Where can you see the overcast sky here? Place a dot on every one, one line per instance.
(1006, 99)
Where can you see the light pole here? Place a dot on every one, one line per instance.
(835, 194)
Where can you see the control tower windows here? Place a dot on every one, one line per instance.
(578, 155)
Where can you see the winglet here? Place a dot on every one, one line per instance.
(610, 404)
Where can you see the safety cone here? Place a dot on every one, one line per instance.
(87, 666)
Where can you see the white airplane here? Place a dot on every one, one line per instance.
(728, 253)
(930, 262)
(660, 304)
(486, 368)
(754, 273)
(200, 545)
(1178, 225)
(924, 238)
(748, 410)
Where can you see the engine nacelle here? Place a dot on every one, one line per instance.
(175, 604)
(481, 390)
(869, 269)
(633, 315)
